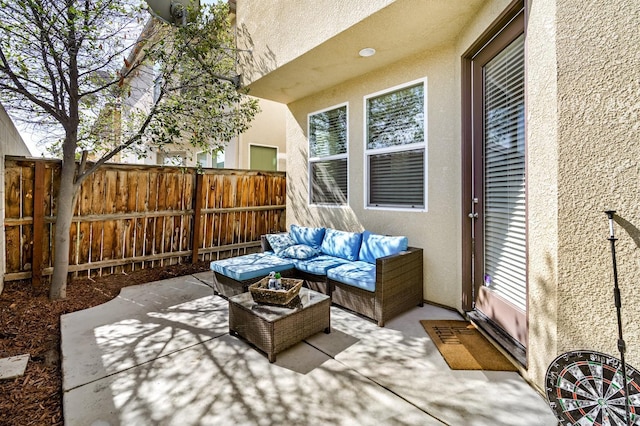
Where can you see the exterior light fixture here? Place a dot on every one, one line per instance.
(367, 51)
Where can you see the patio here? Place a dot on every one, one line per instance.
(161, 353)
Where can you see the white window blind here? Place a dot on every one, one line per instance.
(396, 148)
(504, 181)
(328, 166)
(397, 179)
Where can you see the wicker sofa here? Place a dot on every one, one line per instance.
(376, 276)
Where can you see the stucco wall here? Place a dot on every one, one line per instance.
(276, 33)
(10, 144)
(267, 129)
(436, 230)
(598, 84)
(542, 190)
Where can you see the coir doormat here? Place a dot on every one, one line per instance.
(464, 348)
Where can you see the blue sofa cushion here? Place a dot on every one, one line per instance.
(358, 274)
(280, 242)
(375, 246)
(341, 244)
(308, 236)
(256, 265)
(299, 251)
(319, 265)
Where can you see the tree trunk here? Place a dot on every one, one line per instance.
(64, 213)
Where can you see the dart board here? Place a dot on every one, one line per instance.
(585, 388)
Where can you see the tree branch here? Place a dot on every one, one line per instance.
(135, 138)
(21, 90)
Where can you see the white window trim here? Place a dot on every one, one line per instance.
(328, 158)
(409, 147)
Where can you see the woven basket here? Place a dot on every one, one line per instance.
(262, 294)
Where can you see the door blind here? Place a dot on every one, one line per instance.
(504, 180)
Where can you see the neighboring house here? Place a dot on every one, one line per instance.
(11, 143)
(261, 147)
(493, 133)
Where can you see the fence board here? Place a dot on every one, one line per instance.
(129, 217)
(12, 248)
(13, 191)
(12, 202)
(38, 225)
(28, 175)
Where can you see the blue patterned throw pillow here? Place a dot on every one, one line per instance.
(341, 244)
(300, 252)
(280, 242)
(375, 246)
(307, 236)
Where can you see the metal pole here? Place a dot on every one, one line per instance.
(616, 294)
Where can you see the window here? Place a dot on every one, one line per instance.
(395, 151)
(219, 161)
(202, 158)
(328, 157)
(263, 158)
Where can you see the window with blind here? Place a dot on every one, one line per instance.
(328, 165)
(504, 180)
(396, 148)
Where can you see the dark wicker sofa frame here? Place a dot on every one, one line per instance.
(399, 284)
(398, 288)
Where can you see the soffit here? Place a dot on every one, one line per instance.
(401, 30)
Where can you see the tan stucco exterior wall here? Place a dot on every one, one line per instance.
(435, 230)
(11, 143)
(284, 30)
(267, 129)
(542, 190)
(598, 84)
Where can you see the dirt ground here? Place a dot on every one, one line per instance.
(30, 323)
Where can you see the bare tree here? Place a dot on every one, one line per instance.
(65, 63)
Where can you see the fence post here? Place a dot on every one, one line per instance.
(38, 225)
(197, 209)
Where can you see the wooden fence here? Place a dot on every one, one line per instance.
(129, 217)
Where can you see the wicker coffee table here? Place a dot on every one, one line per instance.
(273, 329)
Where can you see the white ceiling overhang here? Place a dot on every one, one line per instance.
(401, 30)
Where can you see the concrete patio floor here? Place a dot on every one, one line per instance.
(160, 353)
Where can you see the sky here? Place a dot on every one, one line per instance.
(29, 138)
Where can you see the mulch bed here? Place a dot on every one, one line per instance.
(30, 324)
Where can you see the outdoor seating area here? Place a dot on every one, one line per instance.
(373, 275)
(369, 212)
(162, 353)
